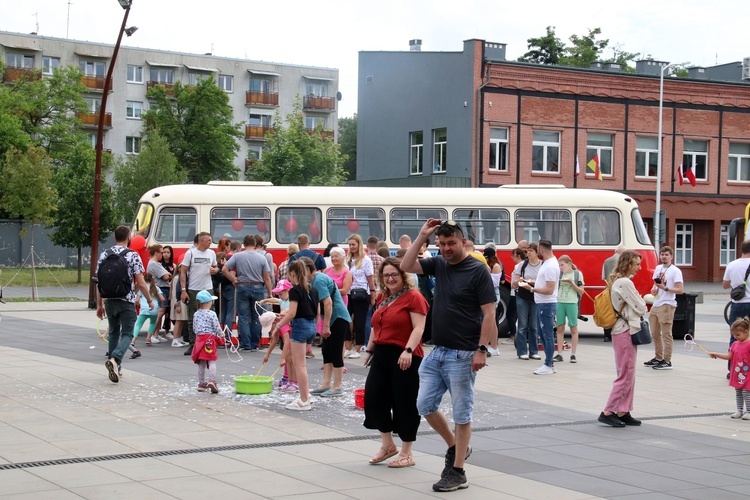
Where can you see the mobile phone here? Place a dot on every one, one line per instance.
(657, 280)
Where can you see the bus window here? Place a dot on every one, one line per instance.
(553, 225)
(598, 227)
(291, 222)
(484, 225)
(641, 233)
(143, 219)
(410, 221)
(176, 225)
(343, 222)
(236, 222)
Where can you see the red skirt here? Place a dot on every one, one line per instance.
(205, 348)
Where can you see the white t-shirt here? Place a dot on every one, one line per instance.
(735, 275)
(199, 268)
(670, 276)
(550, 271)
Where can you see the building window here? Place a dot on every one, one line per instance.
(93, 105)
(134, 109)
(416, 141)
(312, 122)
(135, 74)
(600, 145)
(695, 156)
(440, 150)
(646, 157)
(683, 248)
(739, 162)
(545, 152)
(255, 120)
(91, 139)
(92, 68)
(194, 78)
(499, 149)
(132, 145)
(226, 83)
(261, 85)
(49, 64)
(317, 89)
(727, 248)
(20, 61)
(162, 75)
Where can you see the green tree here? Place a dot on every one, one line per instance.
(348, 143)
(25, 188)
(294, 156)
(196, 121)
(74, 184)
(547, 49)
(155, 166)
(623, 58)
(585, 49)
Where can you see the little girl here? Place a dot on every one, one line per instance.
(570, 288)
(281, 337)
(739, 361)
(208, 338)
(147, 314)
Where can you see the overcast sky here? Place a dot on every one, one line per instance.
(331, 33)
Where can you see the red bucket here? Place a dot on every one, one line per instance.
(359, 398)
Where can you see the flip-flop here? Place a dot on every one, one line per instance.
(386, 454)
(402, 461)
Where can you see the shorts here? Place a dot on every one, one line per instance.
(447, 370)
(567, 310)
(165, 292)
(303, 330)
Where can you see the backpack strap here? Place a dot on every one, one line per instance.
(747, 273)
(523, 267)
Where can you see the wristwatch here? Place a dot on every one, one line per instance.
(483, 348)
(409, 350)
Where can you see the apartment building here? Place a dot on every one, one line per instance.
(472, 118)
(256, 89)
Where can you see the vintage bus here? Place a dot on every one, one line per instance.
(586, 224)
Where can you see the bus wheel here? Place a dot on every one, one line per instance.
(726, 312)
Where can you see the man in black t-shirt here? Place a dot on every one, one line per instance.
(463, 322)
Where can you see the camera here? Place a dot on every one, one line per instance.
(657, 280)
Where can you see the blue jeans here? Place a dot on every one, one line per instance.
(227, 306)
(546, 322)
(526, 339)
(121, 316)
(736, 311)
(249, 324)
(447, 370)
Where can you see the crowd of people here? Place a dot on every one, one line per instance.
(365, 303)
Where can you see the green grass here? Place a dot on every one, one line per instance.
(53, 276)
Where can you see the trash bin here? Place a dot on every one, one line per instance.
(684, 316)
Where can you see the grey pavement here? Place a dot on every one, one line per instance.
(67, 432)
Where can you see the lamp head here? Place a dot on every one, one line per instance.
(131, 30)
(125, 3)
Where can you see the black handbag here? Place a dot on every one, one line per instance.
(358, 294)
(738, 292)
(642, 336)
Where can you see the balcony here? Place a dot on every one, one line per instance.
(95, 82)
(325, 134)
(92, 119)
(319, 103)
(249, 163)
(261, 98)
(15, 74)
(257, 131)
(168, 86)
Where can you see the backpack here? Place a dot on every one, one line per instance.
(113, 278)
(605, 314)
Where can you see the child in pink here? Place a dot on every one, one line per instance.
(739, 362)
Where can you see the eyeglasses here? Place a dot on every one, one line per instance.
(391, 276)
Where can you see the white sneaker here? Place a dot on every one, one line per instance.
(737, 414)
(299, 405)
(354, 355)
(154, 340)
(178, 343)
(492, 352)
(544, 370)
(508, 341)
(347, 354)
(746, 416)
(523, 356)
(170, 336)
(162, 338)
(536, 356)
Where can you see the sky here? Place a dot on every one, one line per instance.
(331, 33)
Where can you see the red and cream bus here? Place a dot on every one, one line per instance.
(586, 224)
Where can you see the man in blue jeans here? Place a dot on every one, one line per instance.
(463, 316)
(120, 310)
(251, 275)
(545, 297)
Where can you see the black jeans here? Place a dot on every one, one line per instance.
(332, 347)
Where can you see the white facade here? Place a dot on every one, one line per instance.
(256, 89)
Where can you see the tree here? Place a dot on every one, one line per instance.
(196, 121)
(25, 189)
(622, 58)
(296, 157)
(155, 166)
(549, 49)
(585, 49)
(74, 183)
(348, 144)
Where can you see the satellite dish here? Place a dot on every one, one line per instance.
(338, 96)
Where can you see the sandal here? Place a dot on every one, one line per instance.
(384, 454)
(402, 461)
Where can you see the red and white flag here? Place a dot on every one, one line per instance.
(578, 167)
(689, 175)
(594, 167)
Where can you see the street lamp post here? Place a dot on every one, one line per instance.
(126, 4)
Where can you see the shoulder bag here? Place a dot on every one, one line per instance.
(738, 292)
(642, 336)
